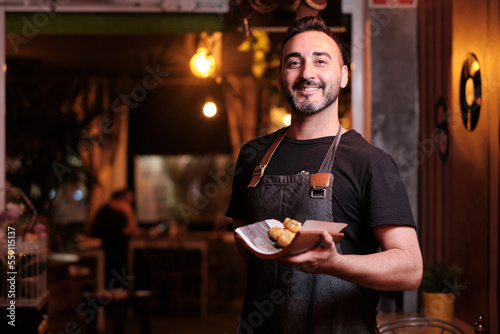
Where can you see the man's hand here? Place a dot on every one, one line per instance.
(315, 260)
(397, 267)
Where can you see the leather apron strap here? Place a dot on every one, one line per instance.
(259, 170)
(326, 166)
(321, 180)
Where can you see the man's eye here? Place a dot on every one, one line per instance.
(293, 63)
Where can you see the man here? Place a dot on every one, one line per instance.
(115, 223)
(334, 287)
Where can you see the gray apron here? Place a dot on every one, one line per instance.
(284, 300)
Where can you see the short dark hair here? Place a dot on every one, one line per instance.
(311, 23)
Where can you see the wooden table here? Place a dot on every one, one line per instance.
(167, 243)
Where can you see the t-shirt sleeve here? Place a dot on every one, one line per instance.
(388, 199)
(250, 155)
(236, 207)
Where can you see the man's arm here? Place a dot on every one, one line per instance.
(397, 267)
(132, 228)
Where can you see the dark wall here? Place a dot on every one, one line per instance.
(459, 183)
(394, 99)
(394, 91)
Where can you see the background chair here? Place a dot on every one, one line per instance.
(419, 324)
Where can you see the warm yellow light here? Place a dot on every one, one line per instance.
(202, 64)
(474, 68)
(279, 116)
(209, 109)
(287, 119)
(470, 92)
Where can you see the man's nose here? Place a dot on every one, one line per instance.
(308, 71)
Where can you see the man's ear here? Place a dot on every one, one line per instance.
(279, 82)
(344, 76)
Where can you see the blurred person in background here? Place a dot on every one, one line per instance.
(114, 224)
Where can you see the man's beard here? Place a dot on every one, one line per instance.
(307, 107)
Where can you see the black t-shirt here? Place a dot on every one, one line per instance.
(108, 225)
(367, 188)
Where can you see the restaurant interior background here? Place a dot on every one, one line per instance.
(101, 100)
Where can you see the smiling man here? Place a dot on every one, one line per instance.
(316, 170)
(312, 67)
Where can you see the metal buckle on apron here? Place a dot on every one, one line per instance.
(318, 192)
(259, 170)
(319, 183)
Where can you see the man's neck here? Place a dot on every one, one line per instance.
(313, 126)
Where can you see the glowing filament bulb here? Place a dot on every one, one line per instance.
(202, 65)
(209, 109)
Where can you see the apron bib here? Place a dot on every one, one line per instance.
(284, 300)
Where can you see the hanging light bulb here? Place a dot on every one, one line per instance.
(210, 109)
(202, 63)
(208, 53)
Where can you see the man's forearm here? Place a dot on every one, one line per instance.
(392, 269)
(397, 267)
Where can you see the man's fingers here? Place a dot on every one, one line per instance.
(326, 240)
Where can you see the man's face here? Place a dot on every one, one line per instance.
(311, 73)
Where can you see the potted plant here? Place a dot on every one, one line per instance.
(440, 286)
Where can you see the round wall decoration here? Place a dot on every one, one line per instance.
(441, 132)
(470, 92)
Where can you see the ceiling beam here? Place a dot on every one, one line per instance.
(29, 24)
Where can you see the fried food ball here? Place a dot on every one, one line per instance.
(275, 232)
(285, 238)
(292, 225)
